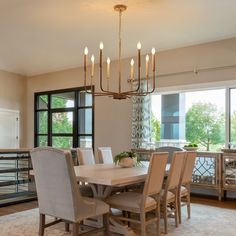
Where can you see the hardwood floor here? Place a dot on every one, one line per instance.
(18, 207)
(228, 204)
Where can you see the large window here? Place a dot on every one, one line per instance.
(64, 118)
(232, 125)
(192, 117)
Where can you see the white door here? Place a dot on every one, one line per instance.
(9, 128)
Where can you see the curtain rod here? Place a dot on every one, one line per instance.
(195, 71)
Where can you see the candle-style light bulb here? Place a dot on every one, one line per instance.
(86, 51)
(108, 67)
(101, 46)
(147, 66)
(153, 51)
(139, 45)
(132, 69)
(92, 70)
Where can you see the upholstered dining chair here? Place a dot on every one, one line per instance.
(169, 198)
(105, 155)
(170, 150)
(58, 192)
(184, 188)
(85, 156)
(148, 200)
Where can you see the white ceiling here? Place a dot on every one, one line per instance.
(39, 36)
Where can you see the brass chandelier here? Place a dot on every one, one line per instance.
(136, 88)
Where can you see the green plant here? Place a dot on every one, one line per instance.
(125, 154)
(191, 145)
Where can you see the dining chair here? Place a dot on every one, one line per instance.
(105, 155)
(148, 200)
(185, 180)
(169, 198)
(170, 150)
(85, 156)
(58, 192)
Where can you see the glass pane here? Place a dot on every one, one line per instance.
(63, 100)
(42, 141)
(85, 99)
(43, 122)
(85, 121)
(62, 142)
(42, 102)
(62, 122)
(233, 118)
(85, 142)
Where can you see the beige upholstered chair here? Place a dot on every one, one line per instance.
(149, 200)
(58, 192)
(105, 155)
(170, 150)
(184, 194)
(85, 156)
(169, 199)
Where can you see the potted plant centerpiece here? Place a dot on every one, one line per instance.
(126, 159)
(191, 147)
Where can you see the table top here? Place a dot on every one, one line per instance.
(111, 174)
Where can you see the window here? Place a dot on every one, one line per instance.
(232, 118)
(191, 117)
(64, 118)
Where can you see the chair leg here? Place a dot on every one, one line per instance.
(176, 205)
(158, 215)
(41, 224)
(188, 205)
(75, 229)
(165, 217)
(143, 223)
(67, 227)
(179, 207)
(106, 221)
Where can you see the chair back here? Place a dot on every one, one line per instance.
(188, 167)
(170, 151)
(175, 171)
(156, 173)
(85, 156)
(55, 180)
(105, 155)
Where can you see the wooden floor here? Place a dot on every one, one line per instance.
(229, 204)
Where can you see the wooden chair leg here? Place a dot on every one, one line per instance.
(67, 227)
(143, 223)
(179, 207)
(188, 205)
(41, 224)
(75, 229)
(158, 215)
(106, 221)
(165, 217)
(176, 205)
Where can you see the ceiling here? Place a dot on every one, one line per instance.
(48, 35)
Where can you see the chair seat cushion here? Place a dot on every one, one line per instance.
(170, 195)
(100, 206)
(183, 191)
(130, 201)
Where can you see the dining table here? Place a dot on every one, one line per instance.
(104, 177)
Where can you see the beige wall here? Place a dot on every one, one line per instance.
(113, 118)
(13, 97)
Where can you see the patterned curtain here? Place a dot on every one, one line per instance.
(141, 121)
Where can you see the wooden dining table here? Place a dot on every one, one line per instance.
(104, 177)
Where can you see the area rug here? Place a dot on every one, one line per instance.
(205, 220)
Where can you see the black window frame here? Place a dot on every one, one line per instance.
(75, 132)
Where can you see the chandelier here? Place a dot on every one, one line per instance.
(136, 87)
